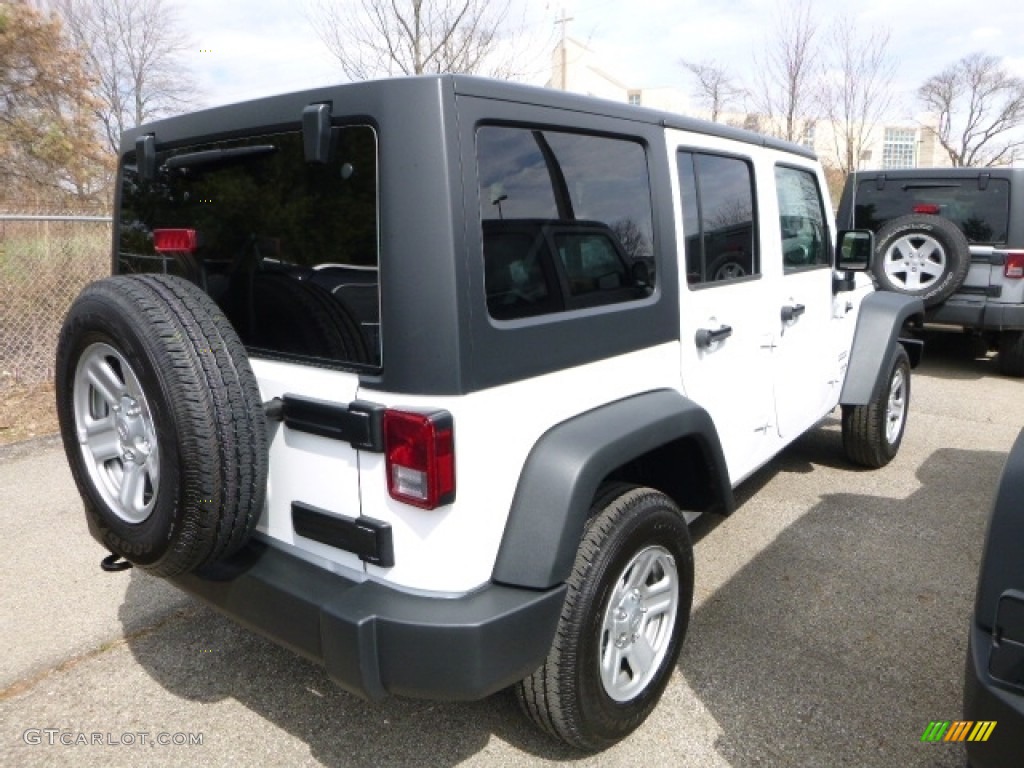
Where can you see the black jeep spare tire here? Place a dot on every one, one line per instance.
(921, 255)
(162, 422)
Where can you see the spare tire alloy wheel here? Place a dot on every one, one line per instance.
(924, 256)
(115, 429)
(162, 422)
(622, 625)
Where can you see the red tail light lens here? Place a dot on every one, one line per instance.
(420, 457)
(175, 240)
(927, 208)
(1014, 264)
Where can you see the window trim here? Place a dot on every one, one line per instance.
(747, 160)
(572, 306)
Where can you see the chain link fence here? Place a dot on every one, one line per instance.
(44, 262)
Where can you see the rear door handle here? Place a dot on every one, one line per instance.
(791, 312)
(706, 336)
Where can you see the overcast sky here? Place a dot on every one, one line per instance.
(250, 48)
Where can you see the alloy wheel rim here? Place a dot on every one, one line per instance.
(116, 434)
(638, 623)
(896, 408)
(915, 262)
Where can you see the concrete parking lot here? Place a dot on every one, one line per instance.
(829, 626)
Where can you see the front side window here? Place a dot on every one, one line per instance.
(566, 220)
(287, 249)
(718, 218)
(801, 219)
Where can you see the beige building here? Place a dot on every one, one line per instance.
(902, 144)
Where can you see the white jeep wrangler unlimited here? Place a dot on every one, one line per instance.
(424, 378)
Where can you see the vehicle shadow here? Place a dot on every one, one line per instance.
(955, 355)
(815, 654)
(203, 657)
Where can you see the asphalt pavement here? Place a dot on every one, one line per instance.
(829, 626)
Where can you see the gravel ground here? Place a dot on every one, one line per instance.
(829, 626)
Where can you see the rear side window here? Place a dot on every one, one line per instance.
(980, 210)
(718, 218)
(287, 249)
(566, 220)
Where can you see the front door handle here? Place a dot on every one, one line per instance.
(791, 312)
(706, 336)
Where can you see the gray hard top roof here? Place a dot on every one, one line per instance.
(270, 111)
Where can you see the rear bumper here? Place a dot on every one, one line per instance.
(986, 316)
(984, 699)
(374, 640)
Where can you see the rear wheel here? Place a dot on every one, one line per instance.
(162, 422)
(1011, 353)
(872, 433)
(622, 625)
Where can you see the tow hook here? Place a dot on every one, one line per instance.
(113, 563)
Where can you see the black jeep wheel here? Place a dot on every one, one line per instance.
(872, 433)
(162, 422)
(1011, 353)
(622, 625)
(924, 256)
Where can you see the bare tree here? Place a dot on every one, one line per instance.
(135, 49)
(714, 86)
(786, 92)
(980, 107)
(857, 90)
(373, 38)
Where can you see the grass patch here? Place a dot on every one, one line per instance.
(27, 412)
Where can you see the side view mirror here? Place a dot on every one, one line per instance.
(641, 274)
(856, 248)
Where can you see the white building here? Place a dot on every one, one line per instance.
(576, 68)
(906, 144)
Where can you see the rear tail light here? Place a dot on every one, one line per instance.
(175, 240)
(927, 208)
(1014, 264)
(420, 457)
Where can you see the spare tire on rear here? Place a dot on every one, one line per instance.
(921, 255)
(162, 422)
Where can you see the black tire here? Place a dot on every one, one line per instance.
(173, 474)
(923, 256)
(1011, 353)
(872, 433)
(567, 696)
(296, 317)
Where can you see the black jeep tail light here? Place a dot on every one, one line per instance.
(1014, 264)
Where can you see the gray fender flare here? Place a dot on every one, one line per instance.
(564, 469)
(881, 316)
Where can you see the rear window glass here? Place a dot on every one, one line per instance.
(982, 214)
(287, 249)
(566, 219)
